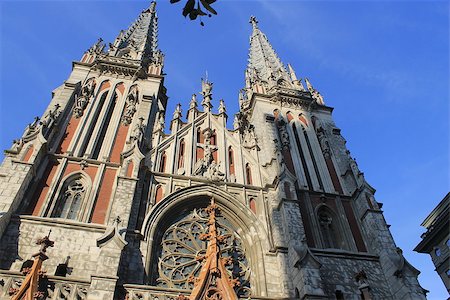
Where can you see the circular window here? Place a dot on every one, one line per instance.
(437, 251)
(181, 245)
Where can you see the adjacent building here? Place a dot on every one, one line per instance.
(126, 206)
(436, 240)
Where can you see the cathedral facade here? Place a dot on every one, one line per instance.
(124, 205)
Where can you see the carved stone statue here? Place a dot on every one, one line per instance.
(207, 95)
(323, 141)
(284, 136)
(130, 109)
(82, 99)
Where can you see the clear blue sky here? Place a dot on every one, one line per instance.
(383, 65)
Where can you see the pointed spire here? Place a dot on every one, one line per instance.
(295, 81)
(314, 93)
(140, 40)
(177, 112)
(193, 103)
(263, 60)
(222, 108)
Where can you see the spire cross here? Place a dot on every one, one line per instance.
(254, 22)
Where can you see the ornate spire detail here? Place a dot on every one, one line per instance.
(222, 108)
(314, 93)
(29, 290)
(193, 103)
(263, 64)
(140, 40)
(177, 112)
(297, 83)
(207, 94)
(213, 281)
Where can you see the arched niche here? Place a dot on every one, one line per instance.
(247, 227)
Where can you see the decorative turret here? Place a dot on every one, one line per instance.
(176, 119)
(314, 93)
(193, 111)
(297, 83)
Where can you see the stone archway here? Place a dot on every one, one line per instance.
(181, 204)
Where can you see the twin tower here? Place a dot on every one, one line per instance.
(125, 206)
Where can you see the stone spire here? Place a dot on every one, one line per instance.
(213, 281)
(263, 63)
(140, 40)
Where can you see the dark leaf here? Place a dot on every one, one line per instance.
(193, 14)
(199, 10)
(201, 23)
(208, 7)
(174, 1)
(188, 8)
(210, 1)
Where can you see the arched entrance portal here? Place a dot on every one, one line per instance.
(173, 228)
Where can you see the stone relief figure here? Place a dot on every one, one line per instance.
(246, 130)
(160, 124)
(131, 104)
(138, 133)
(284, 136)
(82, 99)
(50, 118)
(323, 141)
(314, 93)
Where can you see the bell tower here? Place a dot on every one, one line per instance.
(77, 166)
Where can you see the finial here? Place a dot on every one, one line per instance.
(177, 112)
(193, 103)
(254, 22)
(222, 108)
(292, 73)
(207, 94)
(152, 6)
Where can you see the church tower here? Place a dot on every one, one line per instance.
(125, 206)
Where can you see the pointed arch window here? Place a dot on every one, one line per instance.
(248, 174)
(181, 155)
(162, 163)
(329, 228)
(68, 205)
(105, 126)
(231, 160)
(213, 138)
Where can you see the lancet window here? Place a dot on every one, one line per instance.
(70, 200)
(181, 246)
(329, 228)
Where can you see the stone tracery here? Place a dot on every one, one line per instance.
(183, 250)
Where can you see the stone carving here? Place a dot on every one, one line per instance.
(206, 166)
(284, 136)
(130, 106)
(82, 99)
(193, 103)
(247, 130)
(184, 256)
(137, 136)
(314, 93)
(222, 108)
(160, 124)
(207, 94)
(177, 113)
(323, 141)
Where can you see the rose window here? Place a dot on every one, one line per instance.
(181, 245)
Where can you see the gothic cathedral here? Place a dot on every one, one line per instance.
(101, 199)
